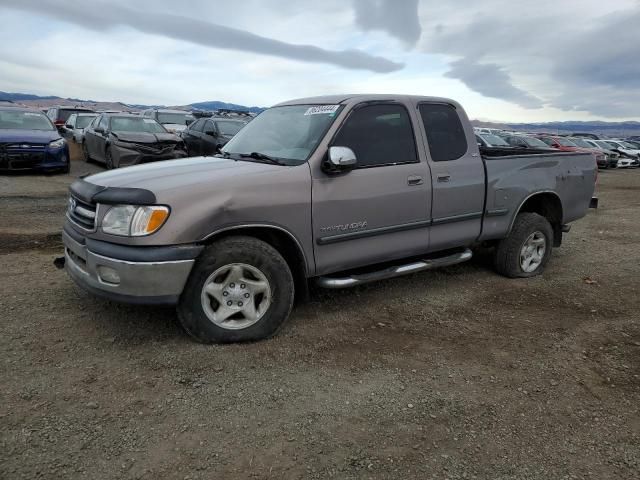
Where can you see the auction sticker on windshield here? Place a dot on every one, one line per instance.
(320, 109)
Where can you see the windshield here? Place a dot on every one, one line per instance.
(176, 118)
(135, 124)
(229, 128)
(581, 143)
(288, 133)
(534, 142)
(609, 144)
(494, 140)
(565, 143)
(17, 120)
(82, 122)
(627, 145)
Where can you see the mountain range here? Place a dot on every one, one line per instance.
(595, 126)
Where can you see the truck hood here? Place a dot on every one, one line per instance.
(181, 174)
(28, 136)
(145, 137)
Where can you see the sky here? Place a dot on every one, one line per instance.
(504, 60)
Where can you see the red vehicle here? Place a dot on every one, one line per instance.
(565, 145)
(59, 115)
(560, 143)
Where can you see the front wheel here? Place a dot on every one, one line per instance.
(108, 159)
(527, 249)
(85, 152)
(240, 289)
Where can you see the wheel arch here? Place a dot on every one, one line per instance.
(279, 238)
(547, 204)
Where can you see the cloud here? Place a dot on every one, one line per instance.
(399, 18)
(589, 64)
(102, 16)
(491, 80)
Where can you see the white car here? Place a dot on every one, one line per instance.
(624, 147)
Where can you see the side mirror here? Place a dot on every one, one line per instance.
(68, 125)
(98, 130)
(340, 160)
(211, 133)
(189, 122)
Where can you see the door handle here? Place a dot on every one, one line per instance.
(443, 178)
(414, 180)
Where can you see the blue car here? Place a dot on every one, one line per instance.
(29, 141)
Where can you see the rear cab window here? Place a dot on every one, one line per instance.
(446, 137)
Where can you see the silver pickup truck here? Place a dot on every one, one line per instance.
(342, 189)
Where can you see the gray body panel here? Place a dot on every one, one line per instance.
(362, 217)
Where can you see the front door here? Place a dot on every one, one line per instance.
(458, 177)
(380, 210)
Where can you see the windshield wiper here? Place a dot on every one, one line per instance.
(264, 157)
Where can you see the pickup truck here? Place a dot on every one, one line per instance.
(342, 189)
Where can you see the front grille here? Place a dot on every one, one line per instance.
(155, 149)
(21, 155)
(81, 213)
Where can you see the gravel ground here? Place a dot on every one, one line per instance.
(458, 373)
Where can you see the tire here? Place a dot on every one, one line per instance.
(108, 159)
(235, 269)
(512, 258)
(85, 152)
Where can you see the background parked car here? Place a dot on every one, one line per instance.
(120, 140)
(490, 140)
(206, 135)
(612, 156)
(175, 121)
(625, 149)
(28, 140)
(559, 143)
(601, 156)
(524, 141)
(73, 129)
(59, 115)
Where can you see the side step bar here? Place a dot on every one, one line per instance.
(395, 271)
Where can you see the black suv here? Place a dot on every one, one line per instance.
(206, 135)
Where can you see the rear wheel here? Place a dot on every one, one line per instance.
(527, 249)
(240, 289)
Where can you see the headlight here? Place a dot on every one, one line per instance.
(134, 221)
(57, 143)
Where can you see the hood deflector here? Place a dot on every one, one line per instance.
(90, 193)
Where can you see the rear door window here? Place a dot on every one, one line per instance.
(445, 133)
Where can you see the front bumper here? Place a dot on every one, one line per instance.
(140, 275)
(125, 157)
(42, 159)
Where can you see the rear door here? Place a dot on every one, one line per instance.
(378, 211)
(100, 139)
(209, 138)
(190, 137)
(457, 176)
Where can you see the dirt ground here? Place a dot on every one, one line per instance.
(458, 373)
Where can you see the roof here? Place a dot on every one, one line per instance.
(360, 97)
(170, 110)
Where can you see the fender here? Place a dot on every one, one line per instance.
(513, 218)
(263, 226)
